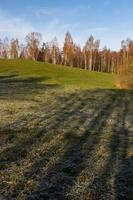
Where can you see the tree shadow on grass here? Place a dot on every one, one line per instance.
(13, 87)
(80, 139)
(30, 136)
(7, 77)
(101, 188)
(59, 120)
(124, 180)
(61, 177)
(69, 107)
(124, 176)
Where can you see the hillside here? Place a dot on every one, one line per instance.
(54, 74)
(65, 134)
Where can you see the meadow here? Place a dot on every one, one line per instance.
(65, 133)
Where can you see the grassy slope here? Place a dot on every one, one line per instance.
(63, 144)
(64, 76)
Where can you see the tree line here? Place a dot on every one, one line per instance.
(90, 57)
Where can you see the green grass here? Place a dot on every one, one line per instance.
(54, 74)
(65, 134)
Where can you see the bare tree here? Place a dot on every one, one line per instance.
(88, 53)
(33, 41)
(91, 57)
(14, 48)
(54, 50)
(68, 50)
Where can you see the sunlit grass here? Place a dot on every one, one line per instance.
(67, 77)
(64, 134)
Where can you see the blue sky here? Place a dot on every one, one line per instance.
(108, 20)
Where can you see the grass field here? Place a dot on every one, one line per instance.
(50, 75)
(64, 134)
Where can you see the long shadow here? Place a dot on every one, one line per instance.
(20, 148)
(70, 139)
(13, 87)
(100, 188)
(7, 77)
(124, 177)
(124, 180)
(61, 177)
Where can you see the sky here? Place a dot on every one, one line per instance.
(111, 21)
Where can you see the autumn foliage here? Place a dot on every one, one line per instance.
(90, 57)
(124, 77)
